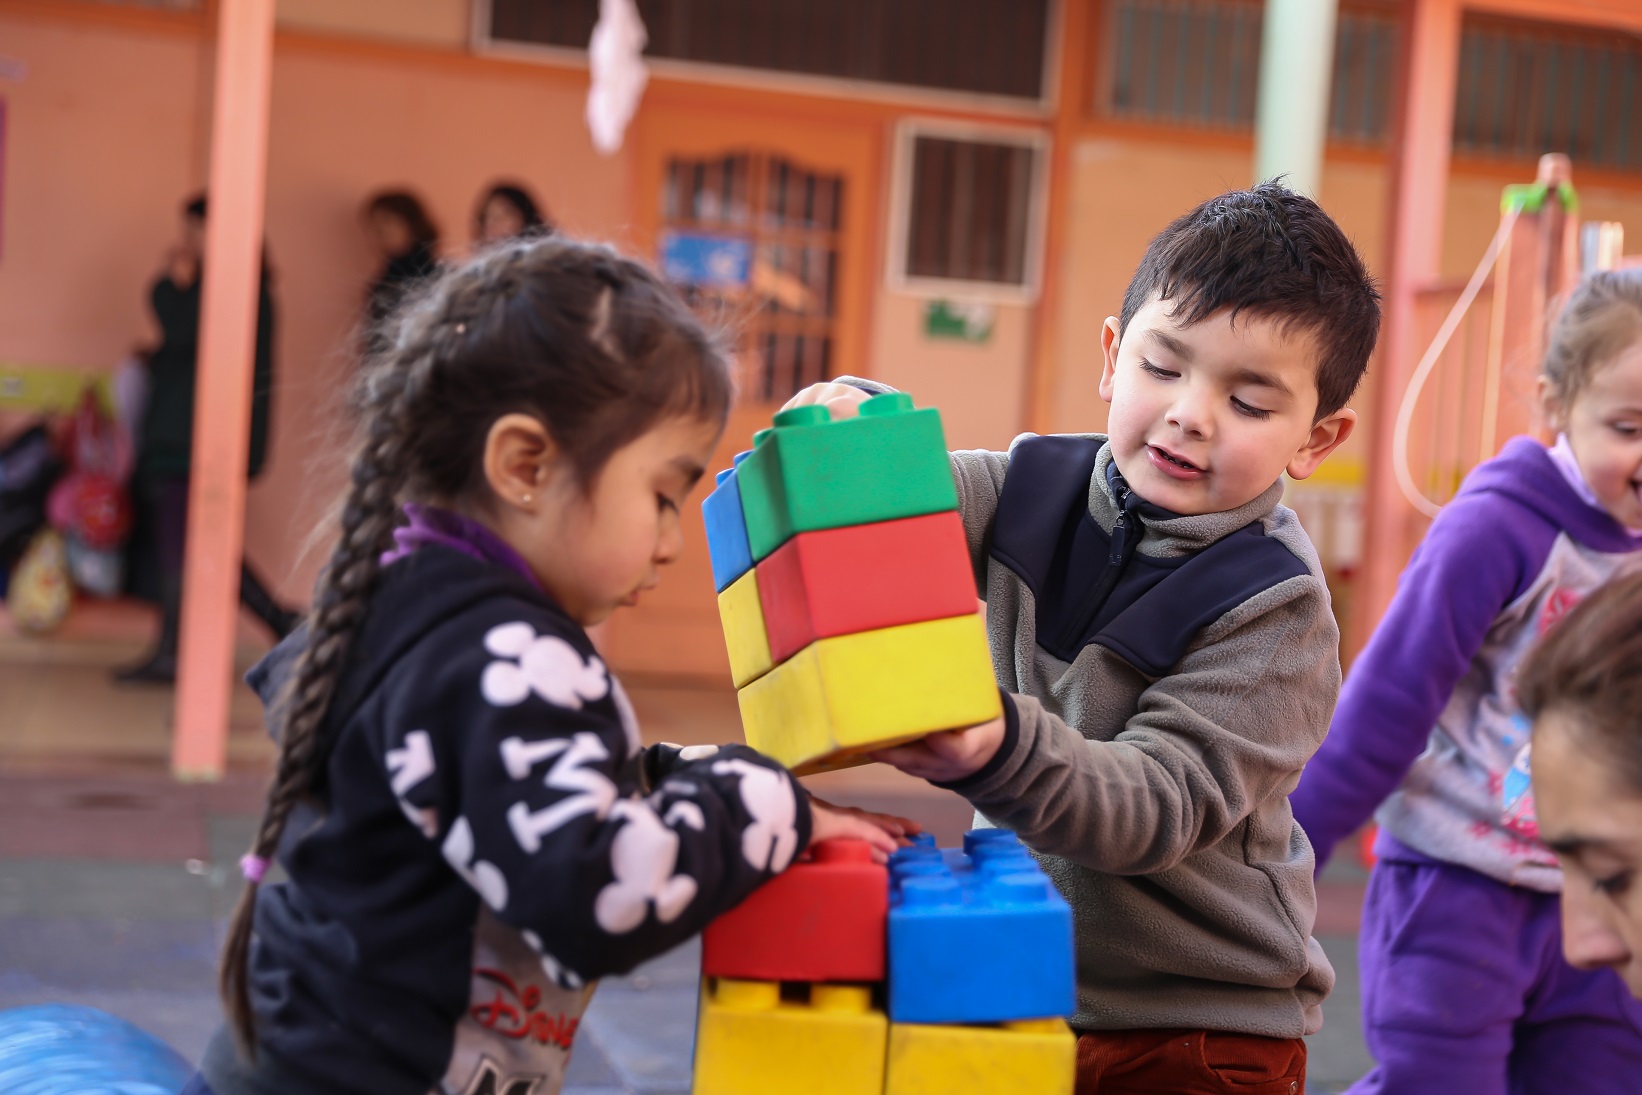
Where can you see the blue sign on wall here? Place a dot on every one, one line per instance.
(711, 262)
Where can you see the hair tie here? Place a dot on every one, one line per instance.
(253, 867)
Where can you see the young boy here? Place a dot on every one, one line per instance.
(1164, 641)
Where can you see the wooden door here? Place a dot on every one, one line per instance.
(767, 224)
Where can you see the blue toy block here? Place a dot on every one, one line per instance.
(977, 935)
(727, 544)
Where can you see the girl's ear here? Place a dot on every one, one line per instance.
(519, 457)
(1550, 405)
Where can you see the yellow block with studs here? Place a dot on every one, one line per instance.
(841, 697)
(752, 1042)
(743, 617)
(1036, 1055)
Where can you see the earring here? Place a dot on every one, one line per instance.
(524, 500)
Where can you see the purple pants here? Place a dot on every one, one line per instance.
(1466, 992)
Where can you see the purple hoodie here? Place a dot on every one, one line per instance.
(1428, 714)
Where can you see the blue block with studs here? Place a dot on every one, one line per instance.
(977, 935)
(727, 545)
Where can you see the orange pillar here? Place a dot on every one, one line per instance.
(222, 401)
(1419, 187)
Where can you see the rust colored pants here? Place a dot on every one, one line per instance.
(1189, 1062)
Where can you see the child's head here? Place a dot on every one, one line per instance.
(556, 392)
(507, 210)
(1591, 387)
(1244, 332)
(398, 222)
(1582, 687)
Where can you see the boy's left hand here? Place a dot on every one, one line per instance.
(948, 755)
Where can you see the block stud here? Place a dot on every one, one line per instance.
(748, 995)
(841, 999)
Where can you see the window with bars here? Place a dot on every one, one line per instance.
(1197, 63)
(1530, 88)
(967, 210)
(774, 228)
(1523, 88)
(993, 47)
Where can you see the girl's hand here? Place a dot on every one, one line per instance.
(882, 832)
(843, 400)
(948, 755)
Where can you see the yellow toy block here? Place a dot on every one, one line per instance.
(1036, 1055)
(752, 1042)
(743, 618)
(840, 697)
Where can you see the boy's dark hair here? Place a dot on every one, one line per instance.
(1275, 254)
(592, 344)
(409, 209)
(1588, 669)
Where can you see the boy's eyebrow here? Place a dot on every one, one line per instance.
(1172, 344)
(1263, 380)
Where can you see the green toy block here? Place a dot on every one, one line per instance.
(809, 472)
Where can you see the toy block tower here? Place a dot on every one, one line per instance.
(969, 951)
(845, 586)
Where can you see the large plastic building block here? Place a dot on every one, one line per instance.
(842, 697)
(743, 619)
(810, 472)
(863, 577)
(752, 1042)
(1036, 1055)
(992, 905)
(727, 529)
(822, 919)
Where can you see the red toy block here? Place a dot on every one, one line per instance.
(823, 919)
(840, 581)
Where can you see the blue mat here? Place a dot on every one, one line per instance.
(64, 1049)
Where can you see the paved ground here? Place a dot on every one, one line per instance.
(115, 882)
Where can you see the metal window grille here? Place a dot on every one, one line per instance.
(785, 313)
(969, 210)
(993, 47)
(1529, 88)
(1197, 63)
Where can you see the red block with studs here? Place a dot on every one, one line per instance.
(840, 581)
(823, 919)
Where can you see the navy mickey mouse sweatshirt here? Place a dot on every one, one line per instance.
(490, 838)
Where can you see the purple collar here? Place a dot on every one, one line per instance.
(431, 525)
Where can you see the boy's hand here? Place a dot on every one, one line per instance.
(882, 832)
(948, 755)
(843, 400)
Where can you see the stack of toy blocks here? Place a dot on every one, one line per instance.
(946, 972)
(845, 586)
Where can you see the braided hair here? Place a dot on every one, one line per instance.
(592, 344)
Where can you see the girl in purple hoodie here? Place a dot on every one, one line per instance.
(1463, 982)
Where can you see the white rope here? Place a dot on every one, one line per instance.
(1422, 372)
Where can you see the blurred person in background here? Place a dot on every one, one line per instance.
(166, 439)
(508, 210)
(408, 240)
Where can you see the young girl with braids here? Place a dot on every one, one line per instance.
(1463, 983)
(471, 831)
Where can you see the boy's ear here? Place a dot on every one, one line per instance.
(518, 456)
(1326, 436)
(1108, 351)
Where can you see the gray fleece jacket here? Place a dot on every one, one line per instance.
(1169, 677)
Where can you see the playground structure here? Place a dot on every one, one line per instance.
(1474, 385)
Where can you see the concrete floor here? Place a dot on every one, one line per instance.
(115, 882)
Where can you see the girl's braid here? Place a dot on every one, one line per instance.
(341, 596)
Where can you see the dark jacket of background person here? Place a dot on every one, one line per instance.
(165, 447)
